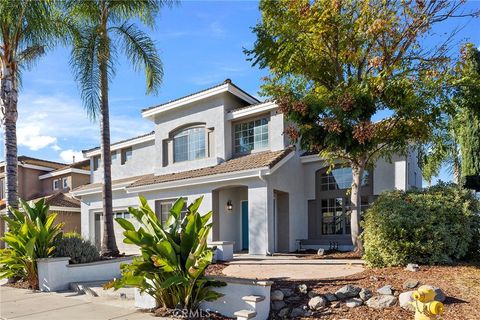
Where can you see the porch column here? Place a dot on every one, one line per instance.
(259, 213)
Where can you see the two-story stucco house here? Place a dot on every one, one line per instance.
(39, 178)
(225, 145)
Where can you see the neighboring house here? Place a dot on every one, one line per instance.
(39, 178)
(224, 145)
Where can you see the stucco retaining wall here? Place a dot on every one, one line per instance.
(231, 301)
(56, 274)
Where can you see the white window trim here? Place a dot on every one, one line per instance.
(260, 117)
(58, 186)
(206, 146)
(64, 183)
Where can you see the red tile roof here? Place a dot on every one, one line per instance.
(251, 161)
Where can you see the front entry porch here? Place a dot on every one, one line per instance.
(254, 218)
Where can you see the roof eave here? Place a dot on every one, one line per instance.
(227, 87)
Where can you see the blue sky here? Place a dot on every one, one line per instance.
(200, 44)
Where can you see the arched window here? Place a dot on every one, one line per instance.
(189, 144)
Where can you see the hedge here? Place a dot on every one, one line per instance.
(437, 225)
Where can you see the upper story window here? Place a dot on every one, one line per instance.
(96, 163)
(126, 155)
(189, 144)
(56, 184)
(2, 188)
(114, 156)
(64, 183)
(251, 135)
(339, 178)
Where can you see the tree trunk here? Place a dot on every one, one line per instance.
(357, 173)
(8, 104)
(109, 244)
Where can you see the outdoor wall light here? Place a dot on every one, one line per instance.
(229, 205)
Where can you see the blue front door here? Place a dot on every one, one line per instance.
(244, 225)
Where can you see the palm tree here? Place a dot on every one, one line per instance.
(27, 29)
(104, 24)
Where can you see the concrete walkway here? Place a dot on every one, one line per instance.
(25, 304)
(291, 267)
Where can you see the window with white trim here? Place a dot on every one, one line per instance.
(163, 207)
(56, 184)
(251, 135)
(65, 183)
(127, 154)
(189, 144)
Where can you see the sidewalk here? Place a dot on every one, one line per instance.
(25, 304)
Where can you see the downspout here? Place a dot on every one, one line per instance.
(261, 176)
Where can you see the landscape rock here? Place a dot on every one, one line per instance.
(277, 295)
(347, 291)
(302, 288)
(330, 297)
(354, 302)
(287, 292)
(381, 301)
(283, 313)
(316, 303)
(321, 252)
(365, 294)
(386, 290)
(412, 267)
(439, 295)
(410, 284)
(298, 312)
(405, 299)
(278, 305)
(312, 294)
(373, 278)
(335, 304)
(294, 298)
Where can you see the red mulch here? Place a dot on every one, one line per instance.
(215, 269)
(20, 284)
(461, 285)
(331, 254)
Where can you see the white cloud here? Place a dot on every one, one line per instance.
(30, 137)
(67, 155)
(59, 122)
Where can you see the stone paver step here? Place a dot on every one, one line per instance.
(245, 314)
(253, 298)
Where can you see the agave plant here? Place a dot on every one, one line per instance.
(32, 234)
(174, 256)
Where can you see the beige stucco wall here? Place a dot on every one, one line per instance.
(29, 186)
(73, 180)
(71, 220)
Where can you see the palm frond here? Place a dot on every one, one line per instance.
(84, 62)
(144, 10)
(141, 51)
(28, 56)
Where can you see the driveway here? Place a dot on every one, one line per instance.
(291, 267)
(25, 304)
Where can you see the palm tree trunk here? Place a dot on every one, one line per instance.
(109, 244)
(8, 104)
(357, 173)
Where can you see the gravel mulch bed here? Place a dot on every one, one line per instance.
(461, 285)
(20, 284)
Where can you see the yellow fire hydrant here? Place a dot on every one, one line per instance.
(426, 308)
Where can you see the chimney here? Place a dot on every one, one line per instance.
(73, 159)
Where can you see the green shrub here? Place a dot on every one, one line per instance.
(79, 250)
(32, 234)
(174, 256)
(431, 226)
